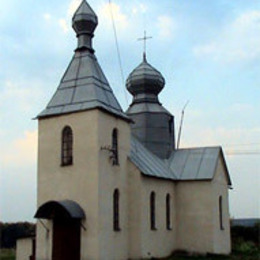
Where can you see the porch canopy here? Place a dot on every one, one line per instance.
(60, 209)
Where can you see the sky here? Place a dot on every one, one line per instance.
(207, 51)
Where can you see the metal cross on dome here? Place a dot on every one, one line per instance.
(145, 38)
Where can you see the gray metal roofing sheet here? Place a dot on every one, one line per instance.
(210, 158)
(82, 87)
(148, 163)
(147, 107)
(183, 164)
(84, 8)
(195, 163)
(73, 208)
(69, 208)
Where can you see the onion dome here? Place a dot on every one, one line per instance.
(84, 22)
(145, 79)
(153, 125)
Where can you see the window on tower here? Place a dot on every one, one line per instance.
(168, 212)
(67, 146)
(116, 225)
(152, 211)
(115, 147)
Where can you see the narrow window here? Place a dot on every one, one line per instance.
(220, 213)
(170, 124)
(67, 146)
(168, 212)
(116, 210)
(152, 211)
(115, 146)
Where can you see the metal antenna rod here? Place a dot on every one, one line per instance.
(181, 123)
(117, 48)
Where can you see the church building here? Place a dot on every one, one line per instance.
(111, 184)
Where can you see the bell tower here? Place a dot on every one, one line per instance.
(83, 146)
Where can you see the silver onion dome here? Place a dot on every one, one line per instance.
(145, 79)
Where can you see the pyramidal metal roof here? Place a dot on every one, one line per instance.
(84, 85)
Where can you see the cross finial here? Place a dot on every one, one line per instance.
(145, 38)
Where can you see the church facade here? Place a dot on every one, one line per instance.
(111, 184)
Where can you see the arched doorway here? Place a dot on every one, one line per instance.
(66, 216)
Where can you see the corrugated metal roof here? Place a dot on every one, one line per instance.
(183, 165)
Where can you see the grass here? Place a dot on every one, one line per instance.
(7, 254)
(241, 251)
(233, 256)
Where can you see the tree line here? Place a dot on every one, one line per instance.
(10, 232)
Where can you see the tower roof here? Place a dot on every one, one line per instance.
(84, 85)
(145, 79)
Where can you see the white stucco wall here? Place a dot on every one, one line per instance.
(113, 244)
(24, 247)
(90, 181)
(222, 241)
(159, 242)
(194, 216)
(78, 182)
(198, 214)
(144, 242)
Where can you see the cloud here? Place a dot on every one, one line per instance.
(21, 93)
(64, 25)
(166, 26)
(238, 41)
(21, 151)
(242, 108)
(232, 139)
(47, 17)
(73, 6)
(104, 12)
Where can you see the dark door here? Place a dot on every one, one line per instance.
(66, 239)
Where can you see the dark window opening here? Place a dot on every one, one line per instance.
(221, 213)
(115, 147)
(152, 211)
(116, 224)
(168, 212)
(67, 146)
(170, 124)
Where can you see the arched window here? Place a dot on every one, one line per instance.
(116, 210)
(67, 146)
(115, 146)
(220, 202)
(152, 211)
(168, 211)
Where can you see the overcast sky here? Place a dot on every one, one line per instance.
(208, 52)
